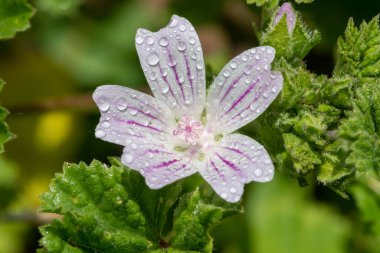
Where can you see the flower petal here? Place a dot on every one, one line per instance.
(128, 115)
(243, 90)
(173, 64)
(235, 161)
(158, 163)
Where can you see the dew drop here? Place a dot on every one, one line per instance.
(165, 89)
(192, 40)
(153, 59)
(269, 51)
(133, 111)
(182, 27)
(274, 89)
(193, 56)
(247, 70)
(253, 51)
(163, 42)
(233, 190)
(181, 46)
(172, 63)
(223, 195)
(266, 67)
(104, 106)
(244, 58)
(105, 124)
(267, 161)
(149, 40)
(233, 65)
(199, 65)
(139, 40)
(258, 172)
(152, 76)
(199, 48)
(226, 73)
(164, 71)
(121, 104)
(100, 133)
(127, 158)
(257, 57)
(252, 107)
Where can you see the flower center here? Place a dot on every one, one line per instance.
(189, 129)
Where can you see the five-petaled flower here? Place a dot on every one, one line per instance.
(183, 129)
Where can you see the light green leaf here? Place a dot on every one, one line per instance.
(358, 50)
(8, 184)
(294, 45)
(110, 209)
(14, 17)
(5, 135)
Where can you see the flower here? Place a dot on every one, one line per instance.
(287, 10)
(182, 129)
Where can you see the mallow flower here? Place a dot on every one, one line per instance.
(184, 129)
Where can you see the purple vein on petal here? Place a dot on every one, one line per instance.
(132, 122)
(174, 68)
(147, 114)
(266, 87)
(162, 165)
(216, 169)
(247, 91)
(156, 151)
(231, 86)
(168, 84)
(228, 163)
(189, 74)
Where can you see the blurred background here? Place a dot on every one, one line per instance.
(74, 46)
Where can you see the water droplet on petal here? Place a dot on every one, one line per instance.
(139, 39)
(149, 40)
(182, 27)
(100, 133)
(226, 73)
(257, 57)
(127, 158)
(181, 46)
(172, 63)
(121, 104)
(233, 65)
(223, 195)
(104, 106)
(105, 124)
(192, 40)
(199, 65)
(153, 59)
(163, 42)
(152, 76)
(233, 190)
(274, 89)
(165, 89)
(258, 172)
(244, 58)
(133, 111)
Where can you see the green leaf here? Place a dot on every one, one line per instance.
(268, 3)
(294, 45)
(361, 132)
(110, 209)
(5, 135)
(14, 17)
(358, 50)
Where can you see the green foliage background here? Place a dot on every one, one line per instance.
(322, 132)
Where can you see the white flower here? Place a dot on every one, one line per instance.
(182, 129)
